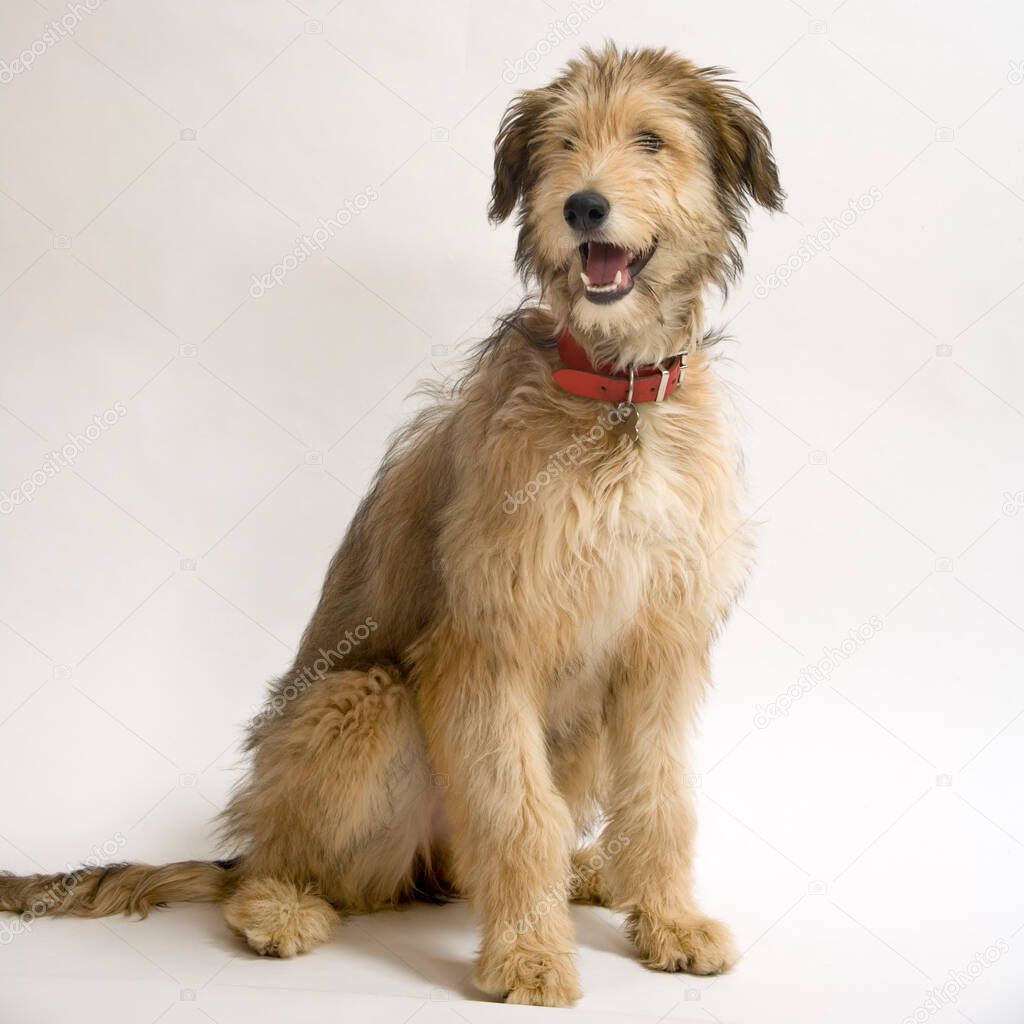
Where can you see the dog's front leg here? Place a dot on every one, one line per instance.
(652, 827)
(511, 831)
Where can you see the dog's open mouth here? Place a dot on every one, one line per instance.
(609, 270)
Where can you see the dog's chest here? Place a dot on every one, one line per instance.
(626, 542)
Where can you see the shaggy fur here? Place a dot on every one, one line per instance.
(513, 640)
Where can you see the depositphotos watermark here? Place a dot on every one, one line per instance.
(59, 890)
(820, 672)
(1012, 503)
(557, 895)
(558, 32)
(565, 457)
(937, 999)
(813, 245)
(310, 674)
(306, 245)
(54, 32)
(59, 460)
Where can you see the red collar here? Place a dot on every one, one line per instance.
(579, 376)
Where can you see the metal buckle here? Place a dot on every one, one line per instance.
(684, 358)
(663, 386)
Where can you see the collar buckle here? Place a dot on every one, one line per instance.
(663, 385)
(684, 359)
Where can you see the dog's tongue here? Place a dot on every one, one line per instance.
(604, 261)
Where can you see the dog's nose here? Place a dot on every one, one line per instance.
(585, 210)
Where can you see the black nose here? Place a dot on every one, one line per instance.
(585, 210)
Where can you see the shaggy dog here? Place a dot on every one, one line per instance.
(513, 640)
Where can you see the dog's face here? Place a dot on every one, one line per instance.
(633, 174)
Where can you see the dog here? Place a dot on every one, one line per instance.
(513, 640)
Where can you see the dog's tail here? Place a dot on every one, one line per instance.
(119, 888)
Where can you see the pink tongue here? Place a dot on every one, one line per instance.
(604, 260)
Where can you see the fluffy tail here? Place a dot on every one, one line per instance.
(118, 888)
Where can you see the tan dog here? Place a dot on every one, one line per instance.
(514, 637)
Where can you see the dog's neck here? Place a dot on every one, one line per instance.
(678, 330)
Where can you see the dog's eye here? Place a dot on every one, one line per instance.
(568, 144)
(649, 141)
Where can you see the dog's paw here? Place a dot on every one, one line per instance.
(277, 918)
(531, 978)
(696, 945)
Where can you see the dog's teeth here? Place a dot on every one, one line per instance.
(595, 289)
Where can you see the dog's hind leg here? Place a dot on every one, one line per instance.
(336, 814)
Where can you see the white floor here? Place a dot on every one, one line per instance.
(868, 844)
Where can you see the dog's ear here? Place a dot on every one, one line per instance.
(512, 151)
(741, 145)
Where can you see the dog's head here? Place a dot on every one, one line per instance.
(633, 173)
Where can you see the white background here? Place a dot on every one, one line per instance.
(863, 845)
